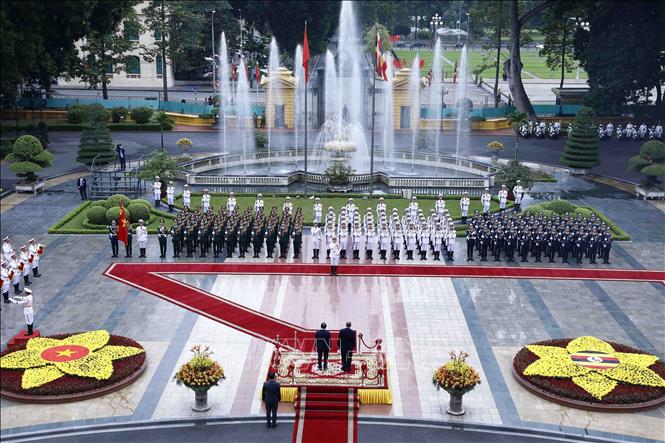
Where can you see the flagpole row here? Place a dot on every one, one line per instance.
(305, 64)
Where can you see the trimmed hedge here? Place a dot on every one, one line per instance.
(55, 229)
(78, 127)
(560, 206)
(140, 201)
(114, 213)
(137, 211)
(115, 200)
(96, 215)
(100, 203)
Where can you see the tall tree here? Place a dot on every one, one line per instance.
(560, 24)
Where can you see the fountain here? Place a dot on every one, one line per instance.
(244, 112)
(388, 130)
(462, 103)
(414, 91)
(225, 93)
(330, 85)
(273, 65)
(436, 94)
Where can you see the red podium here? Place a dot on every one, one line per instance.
(22, 338)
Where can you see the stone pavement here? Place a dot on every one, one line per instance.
(420, 320)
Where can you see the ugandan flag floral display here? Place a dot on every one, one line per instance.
(589, 369)
(90, 355)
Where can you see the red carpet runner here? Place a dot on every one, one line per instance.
(326, 414)
(154, 279)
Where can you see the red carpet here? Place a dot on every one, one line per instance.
(153, 278)
(326, 414)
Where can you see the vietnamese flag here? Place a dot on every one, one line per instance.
(305, 55)
(123, 225)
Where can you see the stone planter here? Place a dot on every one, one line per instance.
(650, 193)
(578, 171)
(201, 400)
(455, 405)
(340, 188)
(32, 187)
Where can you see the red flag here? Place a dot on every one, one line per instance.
(123, 225)
(256, 72)
(305, 54)
(377, 55)
(233, 71)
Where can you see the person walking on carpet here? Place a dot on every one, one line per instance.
(322, 345)
(347, 343)
(271, 397)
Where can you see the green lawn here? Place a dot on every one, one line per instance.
(533, 62)
(426, 203)
(74, 222)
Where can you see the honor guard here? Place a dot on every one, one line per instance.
(170, 194)
(413, 207)
(503, 198)
(26, 301)
(370, 238)
(356, 238)
(450, 245)
(7, 248)
(287, 206)
(6, 277)
(186, 197)
(464, 204)
(440, 205)
(318, 210)
(128, 244)
(316, 240)
(231, 203)
(259, 203)
(343, 237)
(518, 192)
(161, 237)
(15, 272)
(486, 199)
(380, 207)
(157, 190)
(113, 238)
(36, 252)
(384, 241)
(205, 200)
(142, 238)
(334, 255)
(176, 240)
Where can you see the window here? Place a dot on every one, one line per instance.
(160, 66)
(109, 69)
(405, 117)
(134, 67)
(158, 36)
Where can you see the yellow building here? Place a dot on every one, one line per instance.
(404, 116)
(280, 99)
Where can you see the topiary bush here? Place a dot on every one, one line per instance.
(650, 162)
(100, 203)
(75, 114)
(581, 150)
(118, 114)
(96, 215)
(140, 201)
(96, 140)
(138, 211)
(142, 114)
(29, 157)
(114, 213)
(96, 114)
(115, 200)
(512, 172)
(560, 207)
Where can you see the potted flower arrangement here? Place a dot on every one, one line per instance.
(184, 144)
(495, 147)
(457, 378)
(200, 374)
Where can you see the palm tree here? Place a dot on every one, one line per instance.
(165, 122)
(516, 119)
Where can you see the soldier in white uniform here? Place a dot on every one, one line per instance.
(384, 241)
(350, 212)
(380, 207)
(398, 240)
(170, 194)
(6, 281)
(259, 204)
(157, 190)
(370, 238)
(486, 199)
(35, 254)
(334, 255)
(24, 258)
(186, 197)
(205, 200)
(26, 301)
(440, 205)
(438, 242)
(288, 206)
(452, 235)
(316, 241)
(464, 203)
(7, 248)
(15, 271)
(343, 238)
(231, 203)
(318, 210)
(329, 233)
(356, 238)
(142, 237)
(424, 240)
(411, 239)
(503, 198)
(518, 192)
(413, 207)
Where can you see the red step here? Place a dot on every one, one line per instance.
(325, 397)
(327, 390)
(327, 406)
(326, 415)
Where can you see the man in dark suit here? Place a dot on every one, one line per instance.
(82, 184)
(271, 397)
(323, 345)
(121, 156)
(347, 343)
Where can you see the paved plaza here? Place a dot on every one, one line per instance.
(420, 320)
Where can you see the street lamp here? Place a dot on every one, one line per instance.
(214, 65)
(468, 24)
(435, 23)
(458, 36)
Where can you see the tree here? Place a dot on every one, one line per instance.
(623, 52)
(29, 157)
(96, 137)
(516, 119)
(581, 149)
(369, 37)
(560, 26)
(517, 22)
(106, 50)
(164, 122)
(159, 164)
(512, 172)
(650, 162)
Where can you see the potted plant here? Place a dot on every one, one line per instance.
(457, 378)
(651, 163)
(200, 374)
(495, 147)
(27, 158)
(184, 144)
(339, 177)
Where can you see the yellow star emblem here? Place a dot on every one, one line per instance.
(66, 353)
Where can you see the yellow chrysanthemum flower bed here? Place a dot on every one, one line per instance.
(589, 369)
(69, 363)
(201, 372)
(456, 376)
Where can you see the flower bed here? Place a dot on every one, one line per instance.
(592, 374)
(47, 368)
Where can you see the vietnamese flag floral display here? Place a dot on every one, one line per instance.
(592, 370)
(69, 363)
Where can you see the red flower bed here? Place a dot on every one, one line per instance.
(623, 393)
(10, 379)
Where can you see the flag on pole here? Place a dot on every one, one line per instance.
(305, 54)
(123, 225)
(256, 72)
(233, 71)
(380, 61)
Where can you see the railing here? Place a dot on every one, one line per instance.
(129, 103)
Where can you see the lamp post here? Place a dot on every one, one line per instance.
(458, 36)
(435, 23)
(214, 63)
(468, 24)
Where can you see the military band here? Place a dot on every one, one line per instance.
(16, 268)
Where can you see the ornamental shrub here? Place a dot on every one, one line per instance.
(650, 162)
(96, 114)
(100, 203)
(115, 200)
(138, 211)
(96, 215)
(96, 140)
(581, 149)
(141, 115)
(75, 114)
(140, 201)
(114, 213)
(560, 207)
(29, 157)
(512, 172)
(584, 211)
(118, 114)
